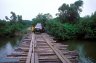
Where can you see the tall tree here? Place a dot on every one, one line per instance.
(70, 13)
(13, 17)
(19, 18)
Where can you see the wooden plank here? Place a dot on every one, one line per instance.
(16, 57)
(36, 58)
(47, 53)
(58, 53)
(49, 61)
(30, 51)
(32, 58)
(48, 57)
(64, 57)
(35, 43)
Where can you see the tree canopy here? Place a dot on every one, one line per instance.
(70, 13)
(41, 18)
(14, 17)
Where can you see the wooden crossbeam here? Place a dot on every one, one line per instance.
(57, 51)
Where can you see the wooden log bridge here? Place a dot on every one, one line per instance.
(40, 48)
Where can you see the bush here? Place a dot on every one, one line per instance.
(61, 31)
(85, 28)
(8, 28)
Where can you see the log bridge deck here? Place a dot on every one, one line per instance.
(41, 48)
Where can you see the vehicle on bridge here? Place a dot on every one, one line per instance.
(39, 28)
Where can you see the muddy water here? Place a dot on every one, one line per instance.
(7, 45)
(86, 50)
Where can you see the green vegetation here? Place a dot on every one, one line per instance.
(70, 13)
(13, 26)
(42, 18)
(61, 31)
(68, 24)
(84, 28)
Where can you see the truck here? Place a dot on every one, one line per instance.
(38, 28)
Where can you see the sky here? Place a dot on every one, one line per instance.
(31, 8)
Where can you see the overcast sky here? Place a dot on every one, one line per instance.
(30, 8)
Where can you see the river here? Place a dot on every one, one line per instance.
(86, 50)
(7, 45)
